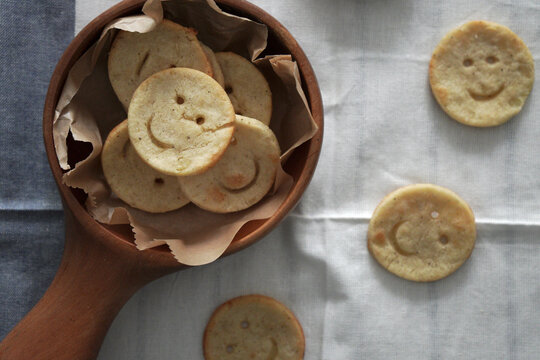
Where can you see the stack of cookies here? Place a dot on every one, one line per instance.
(197, 128)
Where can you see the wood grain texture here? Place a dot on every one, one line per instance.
(101, 267)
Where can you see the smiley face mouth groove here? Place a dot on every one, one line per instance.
(486, 97)
(156, 142)
(248, 185)
(393, 240)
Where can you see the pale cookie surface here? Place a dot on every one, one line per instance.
(481, 74)
(253, 327)
(422, 232)
(133, 181)
(216, 68)
(180, 121)
(244, 174)
(247, 87)
(135, 56)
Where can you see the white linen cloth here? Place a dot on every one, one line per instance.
(383, 129)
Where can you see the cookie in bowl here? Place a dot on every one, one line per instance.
(133, 181)
(135, 56)
(246, 86)
(243, 176)
(180, 121)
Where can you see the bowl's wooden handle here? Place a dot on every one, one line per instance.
(71, 320)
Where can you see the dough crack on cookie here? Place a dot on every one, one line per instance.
(481, 74)
(180, 137)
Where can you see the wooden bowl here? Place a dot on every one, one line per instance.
(101, 267)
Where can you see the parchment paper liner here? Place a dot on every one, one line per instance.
(89, 109)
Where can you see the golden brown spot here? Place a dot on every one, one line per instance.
(216, 194)
(441, 94)
(515, 102)
(379, 239)
(525, 70)
(235, 181)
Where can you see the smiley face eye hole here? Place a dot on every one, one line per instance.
(443, 239)
(467, 62)
(491, 59)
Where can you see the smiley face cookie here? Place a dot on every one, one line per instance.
(481, 74)
(133, 181)
(253, 327)
(247, 88)
(244, 174)
(135, 56)
(422, 232)
(180, 121)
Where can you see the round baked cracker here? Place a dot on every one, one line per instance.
(135, 56)
(422, 232)
(180, 121)
(216, 68)
(253, 327)
(247, 88)
(481, 74)
(244, 174)
(133, 181)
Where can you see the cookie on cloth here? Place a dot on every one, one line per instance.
(216, 68)
(247, 87)
(180, 121)
(135, 56)
(136, 183)
(244, 174)
(253, 327)
(422, 232)
(481, 74)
